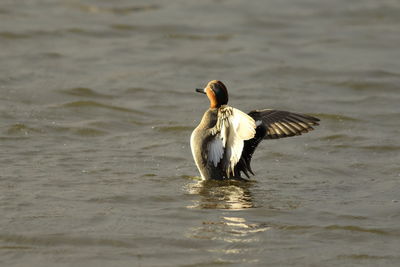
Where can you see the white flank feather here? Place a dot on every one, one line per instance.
(215, 150)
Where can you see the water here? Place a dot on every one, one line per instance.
(96, 109)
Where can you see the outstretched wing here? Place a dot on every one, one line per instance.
(233, 127)
(281, 124)
(273, 124)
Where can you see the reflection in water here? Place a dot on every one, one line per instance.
(234, 239)
(237, 237)
(230, 230)
(232, 195)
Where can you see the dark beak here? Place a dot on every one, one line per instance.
(200, 90)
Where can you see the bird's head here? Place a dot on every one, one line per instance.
(216, 92)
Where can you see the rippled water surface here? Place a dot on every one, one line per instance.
(97, 105)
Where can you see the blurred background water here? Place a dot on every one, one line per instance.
(97, 105)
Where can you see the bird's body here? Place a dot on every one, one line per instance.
(226, 138)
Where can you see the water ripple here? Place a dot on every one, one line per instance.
(13, 35)
(177, 128)
(359, 229)
(336, 117)
(365, 257)
(59, 33)
(335, 227)
(94, 104)
(60, 240)
(84, 92)
(117, 10)
(20, 128)
(194, 37)
(368, 85)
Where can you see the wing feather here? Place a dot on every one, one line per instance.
(233, 127)
(273, 124)
(281, 124)
(243, 124)
(242, 127)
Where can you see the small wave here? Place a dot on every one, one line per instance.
(358, 229)
(368, 85)
(141, 91)
(124, 27)
(150, 93)
(334, 137)
(295, 227)
(168, 129)
(13, 35)
(364, 257)
(87, 132)
(157, 28)
(94, 104)
(353, 217)
(382, 148)
(335, 227)
(20, 128)
(84, 92)
(218, 37)
(52, 55)
(85, 128)
(116, 10)
(58, 33)
(60, 240)
(14, 138)
(379, 14)
(341, 137)
(118, 199)
(90, 32)
(14, 247)
(296, 71)
(335, 117)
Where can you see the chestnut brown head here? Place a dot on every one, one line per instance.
(216, 92)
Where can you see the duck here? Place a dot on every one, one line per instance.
(224, 142)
